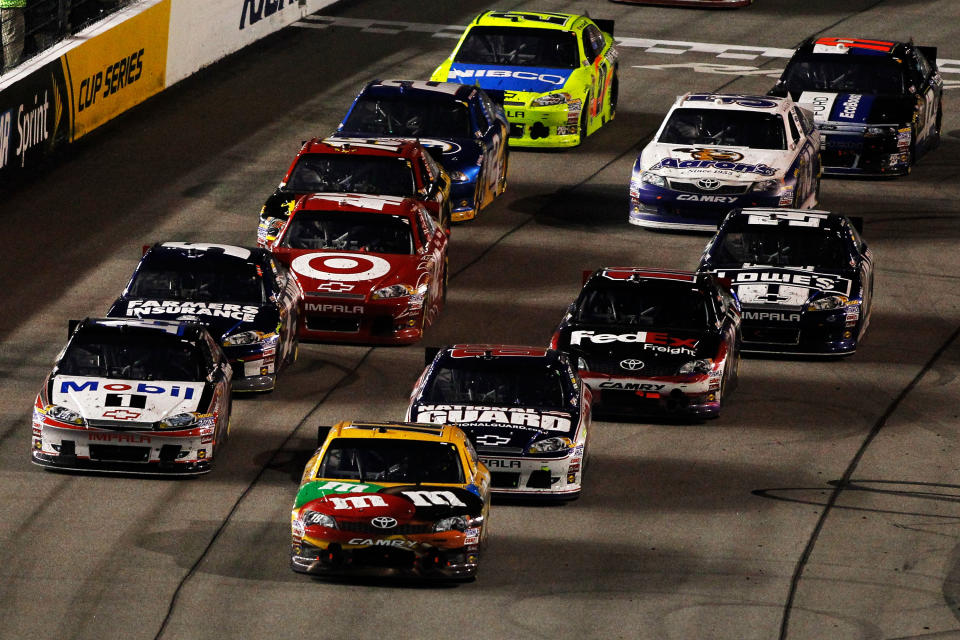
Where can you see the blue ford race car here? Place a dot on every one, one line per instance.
(461, 127)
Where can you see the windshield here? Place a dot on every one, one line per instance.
(782, 246)
(845, 74)
(645, 304)
(131, 354)
(520, 47)
(240, 284)
(408, 118)
(373, 460)
(349, 230)
(497, 383)
(725, 127)
(342, 173)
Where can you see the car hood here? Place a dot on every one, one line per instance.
(506, 78)
(498, 426)
(705, 161)
(856, 108)
(629, 351)
(349, 274)
(355, 501)
(133, 401)
(220, 318)
(783, 287)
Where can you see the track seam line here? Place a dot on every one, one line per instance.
(236, 505)
(845, 479)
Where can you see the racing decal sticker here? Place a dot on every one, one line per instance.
(792, 218)
(496, 416)
(701, 153)
(344, 267)
(531, 79)
(844, 45)
(722, 165)
(819, 102)
(141, 308)
(316, 490)
(77, 385)
(655, 341)
(494, 350)
(852, 107)
(801, 279)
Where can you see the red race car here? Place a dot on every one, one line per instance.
(354, 165)
(373, 269)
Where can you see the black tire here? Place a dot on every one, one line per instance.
(502, 183)
(584, 118)
(614, 92)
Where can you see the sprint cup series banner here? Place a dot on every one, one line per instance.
(117, 69)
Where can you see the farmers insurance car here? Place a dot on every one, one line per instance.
(716, 152)
(394, 498)
(524, 408)
(653, 341)
(877, 103)
(461, 127)
(373, 269)
(389, 168)
(804, 278)
(134, 396)
(245, 297)
(557, 71)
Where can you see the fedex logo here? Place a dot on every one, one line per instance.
(649, 337)
(66, 386)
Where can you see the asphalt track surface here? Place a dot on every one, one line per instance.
(823, 503)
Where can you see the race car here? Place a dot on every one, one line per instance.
(697, 4)
(459, 125)
(715, 152)
(401, 168)
(804, 279)
(523, 408)
(134, 396)
(373, 269)
(245, 297)
(654, 342)
(557, 72)
(877, 103)
(391, 498)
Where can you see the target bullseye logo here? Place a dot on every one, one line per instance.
(345, 267)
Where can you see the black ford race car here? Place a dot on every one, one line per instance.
(654, 341)
(245, 297)
(134, 396)
(804, 278)
(877, 103)
(524, 409)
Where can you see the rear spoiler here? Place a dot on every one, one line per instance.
(930, 53)
(605, 25)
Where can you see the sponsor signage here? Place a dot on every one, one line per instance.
(809, 279)
(34, 119)
(242, 312)
(532, 79)
(506, 416)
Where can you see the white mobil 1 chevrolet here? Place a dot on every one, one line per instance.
(717, 152)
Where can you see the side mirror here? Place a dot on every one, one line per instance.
(322, 432)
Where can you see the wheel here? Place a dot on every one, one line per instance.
(614, 92)
(502, 183)
(584, 118)
(446, 280)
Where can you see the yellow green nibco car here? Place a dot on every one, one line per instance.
(557, 72)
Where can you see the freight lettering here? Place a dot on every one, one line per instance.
(140, 308)
(257, 10)
(456, 414)
(32, 126)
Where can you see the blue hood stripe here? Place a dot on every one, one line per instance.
(852, 107)
(532, 79)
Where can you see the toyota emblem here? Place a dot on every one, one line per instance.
(384, 522)
(631, 364)
(708, 184)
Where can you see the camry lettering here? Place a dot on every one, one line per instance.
(706, 198)
(631, 386)
(447, 414)
(66, 386)
(380, 542)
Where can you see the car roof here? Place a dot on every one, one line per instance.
(639, 274)
(531, 19)
(733, 101)
(487, 352)
(419, 89)
(388, 205)
(762, 217)
(853, 46)
(364, 146)
(218, 255)
(398, 431)
(184, 329)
